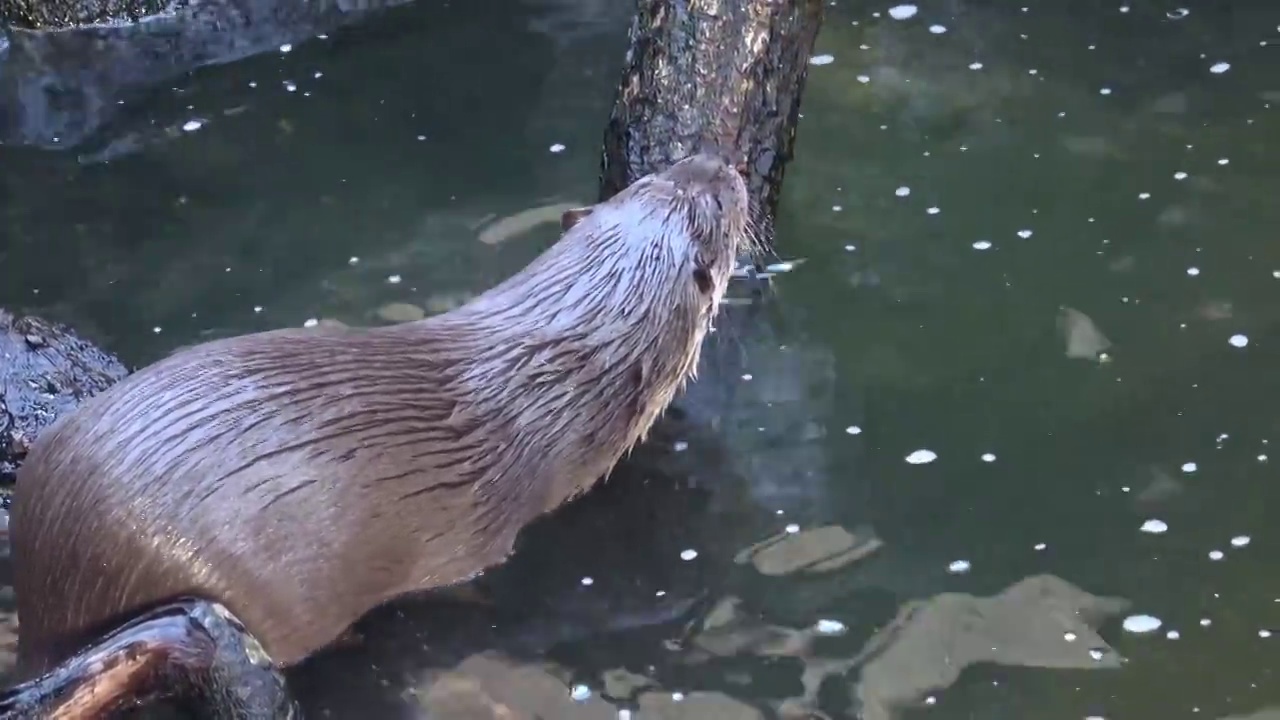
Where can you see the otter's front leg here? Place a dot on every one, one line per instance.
(193, 653)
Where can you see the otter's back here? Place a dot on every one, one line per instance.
(298, 478)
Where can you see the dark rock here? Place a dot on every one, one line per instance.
(46, 370)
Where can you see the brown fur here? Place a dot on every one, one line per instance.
(302, 477)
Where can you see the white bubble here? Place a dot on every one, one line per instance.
(677, 696)
(959, 567)
(830, 627)
(680, 446)
(688, 554)
(157, 329)
(580, 692)
(1240, 541)
(1223, 161)
(822, 59)
(1141, 623)
(1179, 175)
(1144, 196)
(1216, 555)
(903, 12)
(1040, 546)
(192, 125)
(286, 48)
(588, 581)
(982, 245)
(1264, 634)
(853, 430)
(902, 191)
(1177, 13)
(937, 29)
(975, 65)
(933, 210)
(792, 529)
(922, 457)
(1238, 340)
(988, 457)
(393, 279)
(290, 86)
(1069, 636)
(1205, 622)
(1193, 271)
(1188, 467)
(1024, 234)
(1173, 634)
(556, 148)
(1154, 527)
(353, 260)
(864, 79)
(1104, 91)
(310, 323)
(1219, 67)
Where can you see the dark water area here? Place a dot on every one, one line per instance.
(1018, 387)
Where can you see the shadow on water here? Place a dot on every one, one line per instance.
(1008, 421)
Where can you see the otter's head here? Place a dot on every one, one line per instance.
(698, 215)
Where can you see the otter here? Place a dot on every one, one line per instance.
(293, 480)
(296, 479)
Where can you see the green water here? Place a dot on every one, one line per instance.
(954, 188)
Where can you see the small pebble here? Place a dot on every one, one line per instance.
(921, 457)
(903, 12)
(1141, 623)
(830, 627)
(1154, 527)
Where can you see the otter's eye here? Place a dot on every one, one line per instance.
(703, 279)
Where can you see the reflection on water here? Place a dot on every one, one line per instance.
(1010, 421)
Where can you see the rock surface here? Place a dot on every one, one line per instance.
(46, 370)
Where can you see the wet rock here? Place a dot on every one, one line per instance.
(727, 631)
(820, 549)
(516, 225)
(1267, 714)
(489, 686)
(46, 370)
(400, 312)
(1042, 621)
(694, 706)
(623, 684)
(1084, 340)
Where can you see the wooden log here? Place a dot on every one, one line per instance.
(712, 74)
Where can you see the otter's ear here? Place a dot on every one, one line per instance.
(573, 217)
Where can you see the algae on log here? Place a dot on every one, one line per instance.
(46, 370)
(721, 75)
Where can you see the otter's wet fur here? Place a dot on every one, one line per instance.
(302, 477)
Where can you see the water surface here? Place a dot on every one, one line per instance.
(978, 189)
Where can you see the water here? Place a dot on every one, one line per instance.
(1125, 179)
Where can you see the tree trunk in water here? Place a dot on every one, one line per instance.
(722, 75)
